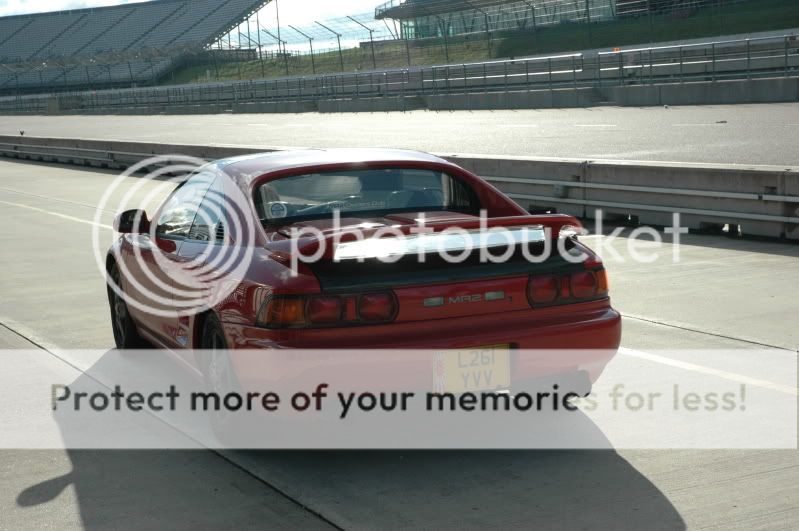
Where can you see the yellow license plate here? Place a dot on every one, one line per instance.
(472, 370)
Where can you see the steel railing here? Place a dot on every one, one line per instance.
(732, 59)
(712, 61)
(763, 200)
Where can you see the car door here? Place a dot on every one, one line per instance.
(155, 263)
(201, 248)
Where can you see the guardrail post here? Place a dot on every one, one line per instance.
(641, 64)
(527, 74)
(651, 65)
(402, 92)
(574, 72)
(682, 74)
(621, 69)
(549, 65)
(786, 56)
(713, 51)
(599, 70)
(748, 60)
(446, 79)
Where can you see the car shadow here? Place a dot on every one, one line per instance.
(145, 489)
(421, 489)
(472, 489)
(351, 489)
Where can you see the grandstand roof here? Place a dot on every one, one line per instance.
(405, 9)
(89, 31)
(111, 46)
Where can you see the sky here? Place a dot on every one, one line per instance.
(291, 11)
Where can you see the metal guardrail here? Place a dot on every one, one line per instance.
(764, 201)
(761, 200)
(615, 206)
(732, 59)
(107, 154)
(56, 154)
(712, 61)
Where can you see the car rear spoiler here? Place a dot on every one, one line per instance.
(376, 242)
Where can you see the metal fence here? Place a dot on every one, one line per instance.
(444, 31)
(711, 61)
(758, 201)
(458, 31)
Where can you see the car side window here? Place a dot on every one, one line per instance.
(181, 208)
(209, 223)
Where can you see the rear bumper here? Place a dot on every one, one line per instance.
(562, 340)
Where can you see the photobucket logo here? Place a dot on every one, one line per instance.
(195, 250)
(421, 242)
(485, 244)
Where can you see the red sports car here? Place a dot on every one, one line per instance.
(351, 249)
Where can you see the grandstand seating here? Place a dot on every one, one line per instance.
(43, 50)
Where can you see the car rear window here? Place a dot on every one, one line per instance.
(362, 192)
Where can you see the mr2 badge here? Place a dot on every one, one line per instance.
(433, 302)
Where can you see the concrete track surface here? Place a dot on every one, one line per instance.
(739, 134)
(726, 294)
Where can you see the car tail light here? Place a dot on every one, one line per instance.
(602, 284)
(376, 307)
(543, 290)
(324, 310)
(284, 312)
(563, 289)
(295, 311)
(583, 285)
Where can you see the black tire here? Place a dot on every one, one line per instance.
(126, 336)
(219, 378)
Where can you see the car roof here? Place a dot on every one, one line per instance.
(248, 167)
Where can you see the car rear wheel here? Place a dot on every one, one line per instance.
(126, 336)
(219, 376)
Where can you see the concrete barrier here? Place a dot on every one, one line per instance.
(373, 104)
(771, 90)
(520, 99)
(706, 93)
(761, 200)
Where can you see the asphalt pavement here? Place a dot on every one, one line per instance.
(729, 134)
(725, 293)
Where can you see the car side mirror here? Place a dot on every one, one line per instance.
(132, 222)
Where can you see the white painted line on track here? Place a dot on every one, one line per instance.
(56, 214)
(56, 199)
(28, 334)
(595, 125)
(693, 328)
(696, 125)
(693, 367)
